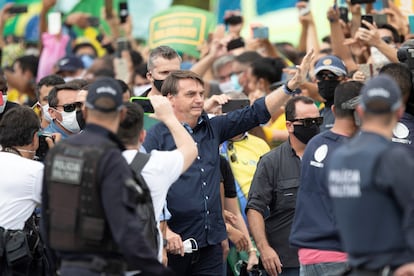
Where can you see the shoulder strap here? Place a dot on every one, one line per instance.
(139, 162)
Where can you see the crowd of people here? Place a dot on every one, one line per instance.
(312, 177)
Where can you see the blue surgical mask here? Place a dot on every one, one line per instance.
(87, 60)
(236, 84)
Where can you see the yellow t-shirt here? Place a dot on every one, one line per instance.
(246, 154)
(278, 124)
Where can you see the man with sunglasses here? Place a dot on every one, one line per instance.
(63, 105)
(274, 187)
(330, 71)
(314, 228)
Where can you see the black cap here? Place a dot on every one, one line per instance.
(104, 87)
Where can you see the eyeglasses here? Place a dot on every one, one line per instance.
(387, 39)
(326, 76)
(71, 107)
(308, 122)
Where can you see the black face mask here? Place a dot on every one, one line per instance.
(304, 134)
(80, 119)
(158, 84)
(327, 90)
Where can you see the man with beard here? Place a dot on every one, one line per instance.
(274, 188)
(329, 71)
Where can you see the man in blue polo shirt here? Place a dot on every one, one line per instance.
(194, 199)
(314, 229)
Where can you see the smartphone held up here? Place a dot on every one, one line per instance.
(144, 102)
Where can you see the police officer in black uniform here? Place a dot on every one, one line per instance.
(90, 196)
(371, 184)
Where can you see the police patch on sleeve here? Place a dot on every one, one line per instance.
(319, 155)
(67, 170)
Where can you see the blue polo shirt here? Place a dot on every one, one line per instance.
(194, 199)
(53, 128)
(314, 223)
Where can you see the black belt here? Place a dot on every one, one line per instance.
(385, 271)
(110, 267)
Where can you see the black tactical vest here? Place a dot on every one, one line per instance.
(76, 219)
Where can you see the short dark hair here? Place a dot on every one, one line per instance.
(124, 86)
(161, 51)
(79, 83)
(28, 63)
(84, 45)
(290, 107)
(402, 76)
(130, 128)
(50, 80)
(270, 69)
(52, 97)
(170, 85)
(345, 92)
(141, 69)
(18, 126)
(247, 57)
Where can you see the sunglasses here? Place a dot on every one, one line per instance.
(308, 122)
(71, 107)
(326, 76)
(233, 156)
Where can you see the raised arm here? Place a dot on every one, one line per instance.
(183, 140)
(275, 100)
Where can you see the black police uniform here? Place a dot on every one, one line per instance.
(370, 182)
(121, 219)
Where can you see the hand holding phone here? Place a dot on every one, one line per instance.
(261, 32)
(144, 102)
(122, 44)
(54, 23)
(234, 104)
(16, 9)
(367, 17)
(304, 9)
(93, 21)
(43, 148)
(343, 14)
(123, 12)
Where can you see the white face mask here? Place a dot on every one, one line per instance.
(3, 106)
(138, 90)
(227, 86)
(69, 121)
(45, 112)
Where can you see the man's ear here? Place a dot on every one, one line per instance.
(333, 110)
(52, 112)
(289, 126)
(149, 76)
(142, 136)
(122, 114)
(262, 84)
